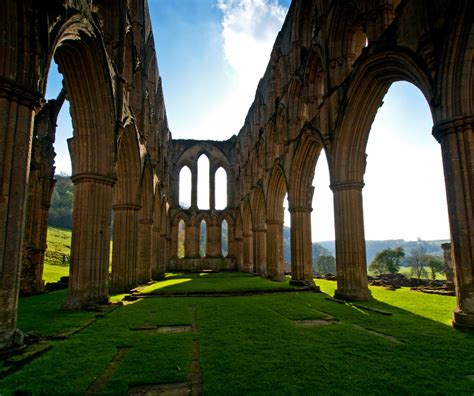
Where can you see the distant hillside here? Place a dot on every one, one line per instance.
(373, 247)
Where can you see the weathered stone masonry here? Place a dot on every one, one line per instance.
(330, 67)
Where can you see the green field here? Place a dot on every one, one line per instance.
(252, 344)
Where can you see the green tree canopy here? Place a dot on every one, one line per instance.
(326, 265)
(388, 260)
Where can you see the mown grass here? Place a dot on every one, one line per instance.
(213, 282)
(250, 345)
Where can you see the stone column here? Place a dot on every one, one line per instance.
(301, 247)
(238, 254)
(124, 252)
(145, 227)
(351, 264)
(155, 268)
(260, 251)
(448, 264)
(162, 254)
(173, 242)
(90, 247)
(16, 124)
(457, 145)
(247, 265)
(275, 265)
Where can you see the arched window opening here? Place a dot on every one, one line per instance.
(185, 181)
(322, 216)
(203, 238)
(203, 182)
(224, 238)
(322, 219)
(286, 233)
(404, 193)
(181, 238)
(221, 189)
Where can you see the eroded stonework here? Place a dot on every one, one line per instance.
(329, 69)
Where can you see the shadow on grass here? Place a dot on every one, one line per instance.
(252, 345)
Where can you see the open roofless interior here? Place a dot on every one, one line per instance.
(210, 304)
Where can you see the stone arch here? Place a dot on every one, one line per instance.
(297, 108)
(230, 232)
(238, 240)
(88, 78)
(176, 219)
(347, 159)
(368, 86)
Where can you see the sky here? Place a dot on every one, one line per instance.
(211, 55)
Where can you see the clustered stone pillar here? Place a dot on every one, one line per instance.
(301, 247)
(17, 108)
(90, 247)
(239, 256)
(260, 251)
(352, 283)
(456, 137)
(144, 249)
(275, 264)
(155, 267)
(124, 254)
(247, 265)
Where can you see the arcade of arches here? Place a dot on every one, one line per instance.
(330, 66)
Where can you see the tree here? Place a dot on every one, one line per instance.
(417, 261)
(388, 260)
(60, 211)
(435, 264)
(326, 265)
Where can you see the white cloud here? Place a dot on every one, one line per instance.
(249, 30)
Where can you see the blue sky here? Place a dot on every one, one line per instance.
(211, 54)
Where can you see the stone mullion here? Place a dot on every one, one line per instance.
(16, 126)
(247, 265)
(351, 264)
(301, 247)
(90, 246)
(457, 145)
(212, 188)
(124, 254)
(260, 251)
(275, 265)
(194, 182)
(144, 250)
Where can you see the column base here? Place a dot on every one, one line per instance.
(463, 321)
(303, 283)
(76, 304)
(11, 339)
(277, 278)
(353, 295)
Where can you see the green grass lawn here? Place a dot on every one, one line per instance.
(251, 344)
(213, 282)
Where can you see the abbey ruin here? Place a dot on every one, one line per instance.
(331, 65)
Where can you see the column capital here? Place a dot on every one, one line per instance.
(275, 222)
(11, 89)
(451, 126)
(300, 209)
(259, 229)
(145, 221)
(93, 177)
(247, 235)
(126, 206)
(346, 185)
